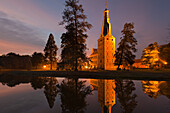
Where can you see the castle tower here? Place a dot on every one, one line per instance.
(106, 93)
(106, 45)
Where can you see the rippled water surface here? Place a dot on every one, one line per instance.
(22, 94)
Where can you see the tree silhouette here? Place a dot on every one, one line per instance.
(124, 53)
(37, 58)
(73, 94)
(73, 41)
(124, 89)
(50, 50)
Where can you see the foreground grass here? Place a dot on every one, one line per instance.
(133, 74)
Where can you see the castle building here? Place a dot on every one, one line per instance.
(104, 54)
(94, 59)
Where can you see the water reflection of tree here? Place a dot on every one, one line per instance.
(151, 88)
(165, 88)
(12, 81)
(38, 82)
(73, 94)
(124, 89)
(156, 88)
(50, 90)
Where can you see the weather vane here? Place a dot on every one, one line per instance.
(106, 4)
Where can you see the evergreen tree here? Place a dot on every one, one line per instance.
(150, 55)
(124, 53)
(73, 41)
(51, 50)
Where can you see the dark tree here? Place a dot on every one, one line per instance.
(164, 53)
(73, 95)
(124, 89)
(74, 40)
(37, 58)
(124, 53)
(51, 50)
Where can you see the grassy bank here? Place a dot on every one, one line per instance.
(134, 74)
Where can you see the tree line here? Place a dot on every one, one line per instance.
(16, 61)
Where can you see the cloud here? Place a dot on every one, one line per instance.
(15, 32)
(31, 13)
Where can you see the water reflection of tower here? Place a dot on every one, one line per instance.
(106, 93)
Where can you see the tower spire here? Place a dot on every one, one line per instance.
(106, 5)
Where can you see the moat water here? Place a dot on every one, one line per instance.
(23, 94)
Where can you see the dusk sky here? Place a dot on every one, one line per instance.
(26, 24)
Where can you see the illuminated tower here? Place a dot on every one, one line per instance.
(106, 45)
(106, 95)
